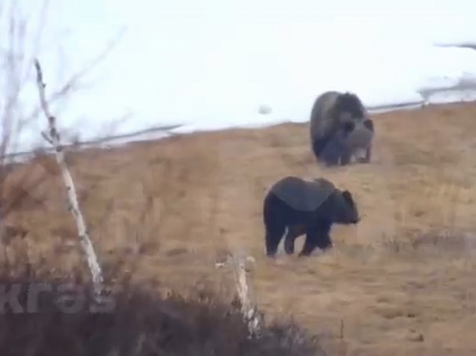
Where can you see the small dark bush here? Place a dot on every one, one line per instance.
(138, 322)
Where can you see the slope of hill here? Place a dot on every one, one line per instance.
(402, 282)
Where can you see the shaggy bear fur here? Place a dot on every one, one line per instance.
(340, 128)
(294, 206)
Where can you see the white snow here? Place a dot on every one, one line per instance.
(215, 64)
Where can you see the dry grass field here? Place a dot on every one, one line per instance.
(403, 282)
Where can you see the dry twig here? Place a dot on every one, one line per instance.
(249, 309)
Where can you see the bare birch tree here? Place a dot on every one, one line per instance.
(53, 137)
(21, 42)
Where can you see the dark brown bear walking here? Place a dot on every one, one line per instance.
(340, 128)
(294, 206)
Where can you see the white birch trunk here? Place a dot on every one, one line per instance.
(53, 137)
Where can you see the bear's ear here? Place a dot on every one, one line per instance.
(348, 197)
(369, 124)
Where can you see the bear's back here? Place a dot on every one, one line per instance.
(320, 120)
(303, 195)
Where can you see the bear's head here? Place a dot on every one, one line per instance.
(345, 208)
(358, 134)
(348, 107)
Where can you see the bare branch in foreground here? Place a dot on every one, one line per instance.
(53, 137)
(248, 307)
(73, 82)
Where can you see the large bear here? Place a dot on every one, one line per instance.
(294, 206)
(340, 128)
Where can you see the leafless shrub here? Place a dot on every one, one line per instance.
(135, 321)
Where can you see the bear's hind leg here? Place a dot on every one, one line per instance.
(274, 235)
(292, 232)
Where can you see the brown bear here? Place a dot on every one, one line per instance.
(294, 206)
(340, 128)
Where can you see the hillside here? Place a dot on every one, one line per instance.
(401, 283)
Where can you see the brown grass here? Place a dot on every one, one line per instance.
(401, 283)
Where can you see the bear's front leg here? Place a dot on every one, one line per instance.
(331, 161)
(324, 241)
(311, 242)
(345, 157)
(317, 236)
(332, 151)
(368, 154)
(292, 232)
